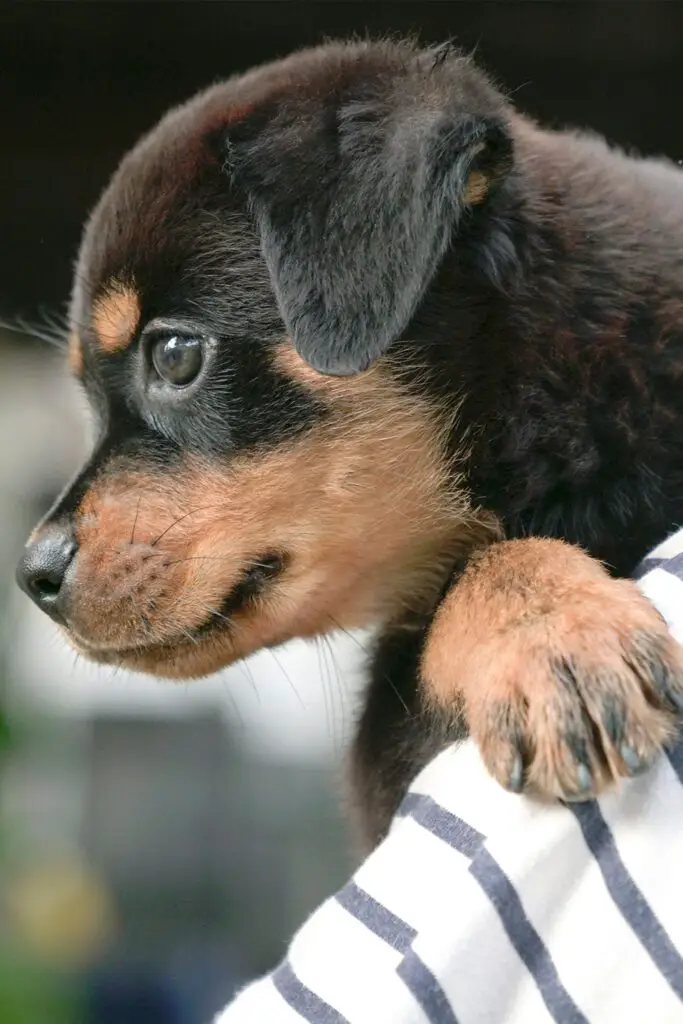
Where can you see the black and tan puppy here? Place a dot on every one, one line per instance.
(364, 345)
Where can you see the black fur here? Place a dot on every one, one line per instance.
(330, 192)
(557, 309)
(357, 200)
(397, 734)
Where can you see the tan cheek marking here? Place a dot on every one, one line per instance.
(371, 385)
(75, 354)
(389, 455)
(115, 317)
(365, 506)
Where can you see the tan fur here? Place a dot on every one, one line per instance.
(363, 507)
(500, 644)
(115, 317)
(75, 354)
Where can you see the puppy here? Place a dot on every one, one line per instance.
(363, 345)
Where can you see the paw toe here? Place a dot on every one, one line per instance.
(502, 744)
(658, 662)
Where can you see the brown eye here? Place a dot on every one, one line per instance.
(177, 359)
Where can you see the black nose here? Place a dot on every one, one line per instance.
(42, 570)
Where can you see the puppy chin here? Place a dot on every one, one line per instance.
(182, 659)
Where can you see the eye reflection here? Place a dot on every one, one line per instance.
(178, 359)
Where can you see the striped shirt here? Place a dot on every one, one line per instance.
(483, 907)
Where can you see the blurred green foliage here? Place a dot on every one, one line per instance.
(30, 994)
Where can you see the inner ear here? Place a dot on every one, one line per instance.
(356, 207)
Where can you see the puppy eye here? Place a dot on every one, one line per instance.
(177, 359)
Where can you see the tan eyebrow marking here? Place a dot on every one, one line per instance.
(115, 317)
(74, 355)
(476, 188)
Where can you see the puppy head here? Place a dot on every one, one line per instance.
(260, 472)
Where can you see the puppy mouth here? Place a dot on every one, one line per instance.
(250, 586)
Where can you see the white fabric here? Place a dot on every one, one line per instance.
(482, 907)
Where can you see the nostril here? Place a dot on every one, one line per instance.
(42, 570)
(45, 587)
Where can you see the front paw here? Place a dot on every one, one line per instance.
(568, 679)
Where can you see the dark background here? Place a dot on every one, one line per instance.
(80, 81)
(185, 846)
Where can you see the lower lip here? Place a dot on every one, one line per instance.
(217, 622)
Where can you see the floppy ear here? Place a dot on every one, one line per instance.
(356, 204)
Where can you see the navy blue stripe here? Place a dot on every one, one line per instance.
(306, 1003)
(437, 820)
(634, 908)
(673, 565)
(525, 939)
(415, 974)
(647, 565)
(426, 990)
(375, 917)
(497, 887)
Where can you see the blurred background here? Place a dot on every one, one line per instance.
(158, 843)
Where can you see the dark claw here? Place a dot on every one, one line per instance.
(516, 776)
(613, 719)
(676, 698)
(664, 681)
(584, 779)
(660, 674)
(635, 764)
